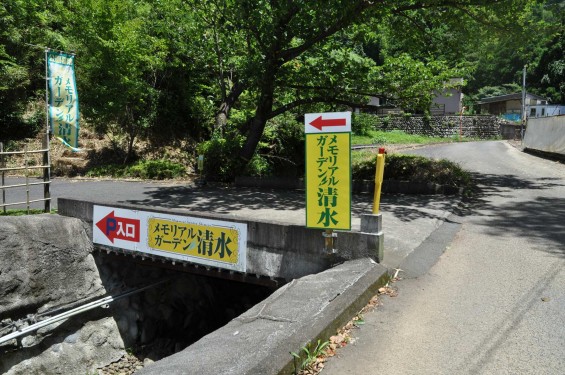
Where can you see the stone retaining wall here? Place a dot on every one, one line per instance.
(46, 264)
(483, 127)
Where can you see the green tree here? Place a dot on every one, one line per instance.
(548, 73)
(303, 52)
(500, 57)
(119, 57)
(25, 27)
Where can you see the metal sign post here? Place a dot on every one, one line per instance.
(2, 166)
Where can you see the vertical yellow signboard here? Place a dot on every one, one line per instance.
(328, 170)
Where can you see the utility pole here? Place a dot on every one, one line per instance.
(523, 103)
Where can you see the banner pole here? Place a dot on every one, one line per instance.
(46, 156)
(46, 92)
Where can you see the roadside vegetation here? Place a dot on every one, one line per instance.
(380, 137)
(143, 169)
(12, 212)
(411, 168)
(282, 156)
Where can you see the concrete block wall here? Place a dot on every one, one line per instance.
(483, 127)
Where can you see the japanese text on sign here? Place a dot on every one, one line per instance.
(63, 99)
(215, 243)
(328, 181)
(208, 242)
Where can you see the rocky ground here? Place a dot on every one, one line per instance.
(126, 365)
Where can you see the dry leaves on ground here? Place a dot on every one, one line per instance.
(343, 335)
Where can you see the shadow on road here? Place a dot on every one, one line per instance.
(226, 200)
(408, 208)
(222, 200)
(541, 218)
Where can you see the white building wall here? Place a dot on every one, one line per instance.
(451, 99)
(546, 134)
(545, 110)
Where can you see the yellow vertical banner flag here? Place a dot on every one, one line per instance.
(328, 175)
(63, 98)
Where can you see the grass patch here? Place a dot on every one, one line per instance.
(411, 168)
(381, 137)
(149, 170)
(394, 137)
(24, 212)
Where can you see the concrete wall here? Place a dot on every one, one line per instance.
(451, 99)
(484, 127)
(510, 131)
(546, 134)
(273, 250)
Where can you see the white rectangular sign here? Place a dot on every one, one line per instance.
(212, 243)
(329, 122)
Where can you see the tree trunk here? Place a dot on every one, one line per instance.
(224, 112)
(262, 112)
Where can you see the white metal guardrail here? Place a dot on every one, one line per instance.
(26, 168)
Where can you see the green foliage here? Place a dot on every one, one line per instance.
(283, 146)
(308, 355)
(120, 50)
(411, 168)
(157, 170)
(22, 70)
(220, 158)
(280, 152)
(150, 169)
(381, 137)
(411, 82)
(548, 77)
(532, 39)
(176, 69)
(362, 123)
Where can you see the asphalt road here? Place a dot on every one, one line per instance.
(494, 303)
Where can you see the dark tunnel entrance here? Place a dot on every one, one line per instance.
(168, 318)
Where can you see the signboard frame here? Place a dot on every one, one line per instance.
(335, 127)
(190, 233)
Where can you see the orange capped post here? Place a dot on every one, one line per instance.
(379, 172)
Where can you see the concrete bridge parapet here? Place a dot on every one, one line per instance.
(276, 250)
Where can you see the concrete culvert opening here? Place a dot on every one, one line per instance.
(165, 319)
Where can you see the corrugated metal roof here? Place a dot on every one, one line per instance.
(504, 98)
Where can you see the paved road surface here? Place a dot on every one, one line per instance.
(494, 303)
